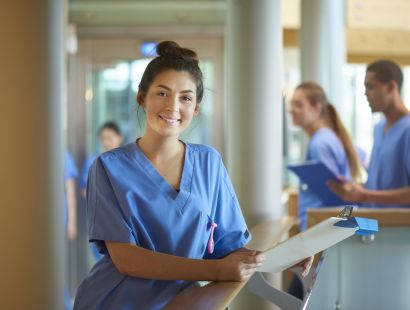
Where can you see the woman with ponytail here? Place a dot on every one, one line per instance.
(329, 141)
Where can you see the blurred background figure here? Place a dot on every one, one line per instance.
(70, 202)
(70, 207)
(110, 137)
(329, 141)
(388, 183)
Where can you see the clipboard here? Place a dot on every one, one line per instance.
(314, 240)
(315, 175)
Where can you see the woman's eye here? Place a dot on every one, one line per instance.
(187, 99)
(161, 93)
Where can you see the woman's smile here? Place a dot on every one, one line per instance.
(170, 121)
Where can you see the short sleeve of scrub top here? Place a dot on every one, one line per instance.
(231, 232)
(389, 166)
(106, 220)
(70, 168)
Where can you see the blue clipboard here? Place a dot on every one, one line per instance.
(315, 175)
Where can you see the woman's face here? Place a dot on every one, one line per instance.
(170, 103)
(303, 113)
(109, 139)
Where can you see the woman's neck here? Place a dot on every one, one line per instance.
(160, 148)
(312, 128)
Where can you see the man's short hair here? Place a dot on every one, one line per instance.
(386, 71)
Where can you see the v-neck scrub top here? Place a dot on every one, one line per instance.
(389, 166)
(129, 201)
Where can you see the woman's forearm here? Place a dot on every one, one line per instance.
(71, 210)
(138, 262)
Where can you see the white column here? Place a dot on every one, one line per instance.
(323, 45)
(254, 112)
(31, 158)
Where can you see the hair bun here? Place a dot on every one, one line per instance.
(172, 49)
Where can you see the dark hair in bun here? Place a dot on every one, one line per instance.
(173, 57)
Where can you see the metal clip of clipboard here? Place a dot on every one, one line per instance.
(346, 212)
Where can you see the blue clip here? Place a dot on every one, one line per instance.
(366, 226)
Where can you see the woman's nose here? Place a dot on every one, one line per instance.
(173, 104)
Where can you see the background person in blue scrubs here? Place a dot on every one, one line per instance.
(110, 137)
(70, 208)
(70, 200)
(388, 182)
(329, 141)
(163, 211)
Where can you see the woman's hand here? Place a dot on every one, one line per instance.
(239, 265)
(305, 264)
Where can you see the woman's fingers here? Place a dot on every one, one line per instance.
(306, 265)
(253, 258)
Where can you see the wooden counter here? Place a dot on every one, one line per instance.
(218, 295)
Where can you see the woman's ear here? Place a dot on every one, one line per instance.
(141, 99)
(197, 108)
(319, 108)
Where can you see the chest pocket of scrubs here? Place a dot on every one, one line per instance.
(191, 229)
(211, 226)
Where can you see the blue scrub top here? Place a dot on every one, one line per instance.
(324, 146)
(129, 201)
(83, 185)
(85, 170)
(389, 166)
(70, 173)
(70, 168)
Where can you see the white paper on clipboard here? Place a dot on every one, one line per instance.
(307, 243)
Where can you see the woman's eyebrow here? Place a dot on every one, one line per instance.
(169, 89)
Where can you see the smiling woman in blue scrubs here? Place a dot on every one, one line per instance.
(163, 212)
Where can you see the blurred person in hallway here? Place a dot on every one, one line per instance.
(70, 201)
(110, 138)
(70, 208)
(329, 143)
(388, 182)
